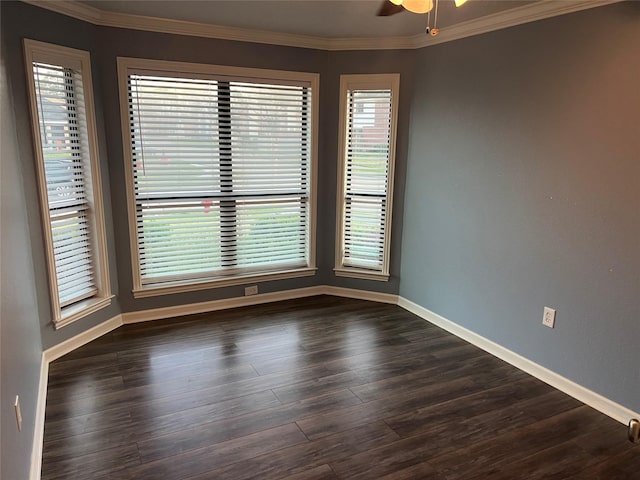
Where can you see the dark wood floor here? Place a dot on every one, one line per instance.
(311, 389)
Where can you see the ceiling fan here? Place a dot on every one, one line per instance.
(391, 7)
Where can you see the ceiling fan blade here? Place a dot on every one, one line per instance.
(387, 9)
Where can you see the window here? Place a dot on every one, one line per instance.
(221, 170)
(68, 171)
(368, 114)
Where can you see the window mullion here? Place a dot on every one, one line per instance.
(228, 211)
(305, 158)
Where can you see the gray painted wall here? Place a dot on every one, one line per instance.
(20, 344)
(359, 62)
(113, 43)
(523, 190)
(105, 45)
(522, 184)
(20, 21)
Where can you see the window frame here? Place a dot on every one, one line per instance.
(128, 66)
(80, 61)
(364, 82)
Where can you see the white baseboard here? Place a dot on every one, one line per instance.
(614, 410)
(215, 305)
(226, 303)
(57, 351)
(360, 294)
(48, 356)
(38, 434)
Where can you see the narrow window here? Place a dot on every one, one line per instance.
(68, 177)
(368, 115)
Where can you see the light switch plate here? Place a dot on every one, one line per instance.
(16, 406)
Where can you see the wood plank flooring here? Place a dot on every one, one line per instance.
(317, 388)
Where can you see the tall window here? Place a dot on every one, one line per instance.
(69, 179)
(221, 171)
(368, 115)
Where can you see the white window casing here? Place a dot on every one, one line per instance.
(68, 171)
(221, 171)
(367, 144)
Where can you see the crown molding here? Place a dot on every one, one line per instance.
(508, 18)
(71, 9)
(497, 21)
(220, 32)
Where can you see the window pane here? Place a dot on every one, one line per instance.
(63, 136)
(366, 172)
(221, 176)
(364, 232)
(269, 128)
(179, 239)
(174, 125)
(272, 233)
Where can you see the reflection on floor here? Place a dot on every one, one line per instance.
(316, 388)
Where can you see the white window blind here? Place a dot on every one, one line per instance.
(367, 140)
(221, 171)
(63, 136)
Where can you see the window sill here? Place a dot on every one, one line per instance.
(361, 274)
(167, 288)
(81, 309)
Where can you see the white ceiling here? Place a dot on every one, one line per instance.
(318, 18)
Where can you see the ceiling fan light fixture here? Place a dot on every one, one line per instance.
(460, 2)
(396, 2)
(418, 6)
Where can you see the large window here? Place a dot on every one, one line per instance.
(368, 115)
(221, 171)
(69, 179)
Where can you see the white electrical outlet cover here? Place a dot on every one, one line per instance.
(549, 317)
(252, 290)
